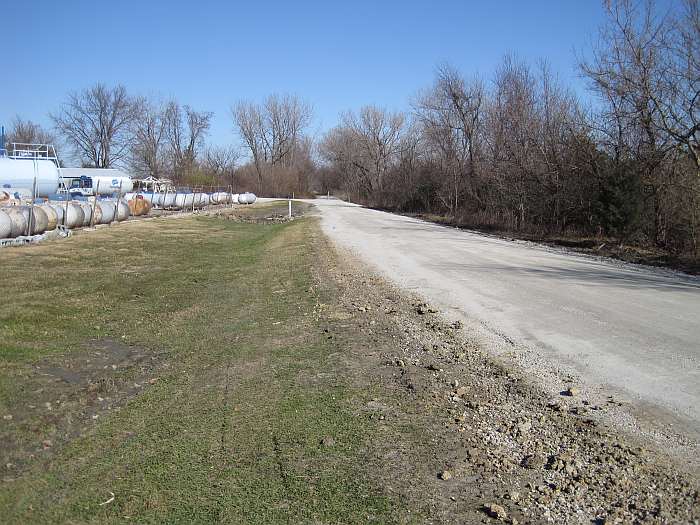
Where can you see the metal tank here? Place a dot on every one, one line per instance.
(20, 173)
(234, 198)
(122, 210)
(247, 198)
(87, 213)
(184, 200)
(168, 200)
(51, 215)
(219, 197)
(19, 222)
(109, 185)
(35, 218)
(5, 225)
(60, 211)
(107, 210)
(139, 206)
(75, 216)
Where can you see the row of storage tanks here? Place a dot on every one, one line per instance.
(18, 220)
(183, 201)
(43, 177)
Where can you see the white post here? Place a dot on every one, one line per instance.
(290, 208)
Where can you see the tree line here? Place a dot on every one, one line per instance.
(106, 127)
(521, 152)
(517, 151)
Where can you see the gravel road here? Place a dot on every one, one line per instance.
(618, 328)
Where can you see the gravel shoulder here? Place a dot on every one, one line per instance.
(626, 335)
(467, 437)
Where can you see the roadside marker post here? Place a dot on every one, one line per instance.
(290, 208)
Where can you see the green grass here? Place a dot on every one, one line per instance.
(231, 430)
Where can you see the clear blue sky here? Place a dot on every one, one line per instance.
(336, 55)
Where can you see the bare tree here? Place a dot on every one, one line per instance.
(272, 131)
(185, 130)
(97, 122)
(450, 114)
(647, 69)
(28, 132)
(286, 117)
(376, 134)
(221, 162)
(248, 118)
(148, 155)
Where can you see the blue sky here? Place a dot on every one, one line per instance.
(336, 55)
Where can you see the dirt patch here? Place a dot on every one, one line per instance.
(466, 438)
(63, 396)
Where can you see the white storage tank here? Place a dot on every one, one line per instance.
(19, 222)
(184, 200)
(168, 200)
(75, 216)
(107, 210)
(105, 181)
(19, 173)
(247, 198)
(5, 225)
(52, 216)
(87, 213)
(60, 211)
(122, 210)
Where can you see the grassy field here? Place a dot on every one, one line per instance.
(173, 371)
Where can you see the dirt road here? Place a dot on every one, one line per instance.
(622, 330)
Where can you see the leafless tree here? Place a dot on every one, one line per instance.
(248, 120)
(148, 155)
(646, 67)
(221, 161)
(272, 131)
(185, 130)
(286, 117)
(451, 115)
(28, 132)
(376, 134)
(97, 123)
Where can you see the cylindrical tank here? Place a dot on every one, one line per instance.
(51, 215)
(107, 210)
(157, 199)
(139, 206)
(122, 210)
(19, 173)
(35, 217)
(184, 200)
(60, 210)
(5, 225)
(204, 199)
(234, 198)
(168, 200)
(19, 222)
(247, 198)
(75, 216)
(110, 185)
(87, 213)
